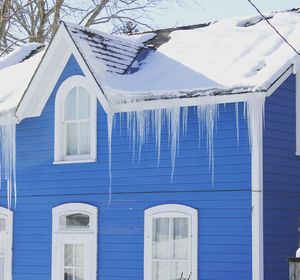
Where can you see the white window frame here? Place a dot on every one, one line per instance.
(169, 211)
(8, 217)
(60, 156)
(88, 237)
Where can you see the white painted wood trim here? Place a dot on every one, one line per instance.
(170, 210)
(47, 74)
(298, 114)
(8, 216)
(257, 205)
(87, 237)
(59, 144)
(280, 81)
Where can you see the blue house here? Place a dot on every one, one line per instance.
(167, 155)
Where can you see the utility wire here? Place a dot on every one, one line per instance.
(294, 49)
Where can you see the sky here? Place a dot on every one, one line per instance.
(201, 11)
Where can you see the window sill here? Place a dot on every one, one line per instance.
(74, 161)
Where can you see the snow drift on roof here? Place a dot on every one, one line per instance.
(16, 71)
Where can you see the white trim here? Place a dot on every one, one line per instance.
(87, 237)
(184, 102)
(59, 143)
(257, 201)
(280, 81)
(74, 161)
(8, 216)
(298, 114)
(171, 210)
(47, 74)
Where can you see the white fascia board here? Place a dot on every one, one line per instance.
(280, 80)
(45, 77)
(48, 73)
(183, 102)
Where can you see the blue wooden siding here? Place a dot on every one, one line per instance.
(224, 208)
(281, 182)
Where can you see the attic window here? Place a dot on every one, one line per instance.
(75, 122)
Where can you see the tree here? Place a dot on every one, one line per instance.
(37, 20)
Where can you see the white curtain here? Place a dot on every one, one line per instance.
(74, 262)
(170, 248)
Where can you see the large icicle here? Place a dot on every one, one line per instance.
(8, 160)
(110, 119)
(207, 117)
(255, 119)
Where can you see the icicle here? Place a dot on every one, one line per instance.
(158, 124)
(8, 160)
(110, 119)
(255, 119)
(173, 119)
(208, 115)
(185, 112)
(237, 123)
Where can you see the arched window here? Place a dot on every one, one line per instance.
(75, 121)
(74, 242)
(170, 251)
(6, 221)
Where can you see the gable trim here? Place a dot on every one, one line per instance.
(47, 74)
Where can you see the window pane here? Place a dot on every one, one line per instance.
(160, 270)
(179, 269)
(71, 105)
(180, 237)
(2, 225)
(1, 268)
(71, 139)
(2, 243)
(69, 252)
(84, 138)
(77, 220)
(79, 255)
(79, 274)
(83, 104)
(160, 242)
(68, 274)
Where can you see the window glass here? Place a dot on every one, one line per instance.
(71, 105)
(71, 139)
(83, 104)
(2, 225)
(77, 220)
(2, 248)
(84, 138)
(170, 248)
(77, 122)
(73, 262)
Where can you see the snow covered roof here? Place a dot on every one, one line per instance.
(16, 71)
(232, 56)
(235, 55)
(98, 47)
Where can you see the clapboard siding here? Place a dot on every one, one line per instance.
(224, 207)
(281, 181)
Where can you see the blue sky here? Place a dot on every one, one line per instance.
(199, 11)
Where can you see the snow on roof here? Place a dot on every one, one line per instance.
(102, 51)
(16, 71)
(229, 56)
